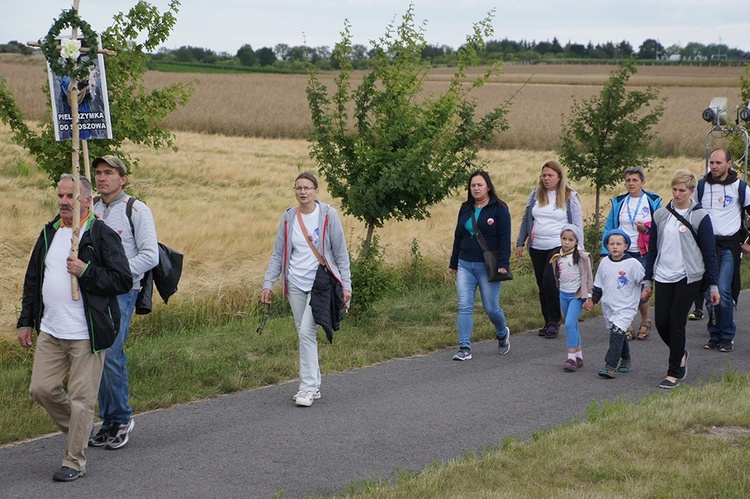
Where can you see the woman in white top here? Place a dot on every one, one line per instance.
(551, 205)
(294, 260)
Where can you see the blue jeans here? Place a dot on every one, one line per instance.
(721, 319)
(470, 276)
(113, 389)
(571, 308)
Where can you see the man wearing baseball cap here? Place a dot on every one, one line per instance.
(139, 242)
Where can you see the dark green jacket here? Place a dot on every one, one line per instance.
(106, 276)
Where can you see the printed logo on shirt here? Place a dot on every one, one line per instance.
(622, 281)
(316, 236)
(490, 221)
(644, 211)
(726, 200)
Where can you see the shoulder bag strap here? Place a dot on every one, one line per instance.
(477, 233)
(683, 221)
(309, 239)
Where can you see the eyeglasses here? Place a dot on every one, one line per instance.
(304, 188)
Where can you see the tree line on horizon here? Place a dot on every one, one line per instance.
(300, 56)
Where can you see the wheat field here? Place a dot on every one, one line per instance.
(275, 106)
(219, 199)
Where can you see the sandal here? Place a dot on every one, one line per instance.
(630, 333)
(644, 331)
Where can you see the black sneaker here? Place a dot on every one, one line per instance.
(119, 436)
(726, 346)
(696, 315)
(552, 330)
(712, 345)
(503, 344)
(66, 474)
(543, 331)
(100, 438)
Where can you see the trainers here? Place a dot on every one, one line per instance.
(305, 399)
(464, 353)
(100, 438)
(726, 346)
(683, 369)
(543, 331)
(668, 385)
(607, 372)
(316, 395)
(712, 345)
(503, 344)
(696, 315)
(119, 435)
(570, 365)
(551, 331)
(579, 362)
(66, 474)
(624, 366)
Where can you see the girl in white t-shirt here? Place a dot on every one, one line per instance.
(573, 272)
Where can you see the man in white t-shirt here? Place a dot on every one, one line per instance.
(73, 331)
(726, 198)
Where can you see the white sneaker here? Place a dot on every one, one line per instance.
(316, 396)
(305, 399)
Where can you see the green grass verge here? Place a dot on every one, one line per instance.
(694, 442)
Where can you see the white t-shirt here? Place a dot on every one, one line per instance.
(671, 268)
(722, 204)
(570, 274)
(548, 222)
(620, 283)
(634, 210)
(303, 264)
(63, 317)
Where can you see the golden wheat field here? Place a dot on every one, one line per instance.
(219, 199)
(275, 106)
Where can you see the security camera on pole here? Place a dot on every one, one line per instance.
(716, 115)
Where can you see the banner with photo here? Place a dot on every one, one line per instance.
(93, 102)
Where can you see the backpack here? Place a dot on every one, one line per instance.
(166, 275)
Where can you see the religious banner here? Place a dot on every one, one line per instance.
(93, 102)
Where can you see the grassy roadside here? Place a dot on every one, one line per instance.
(176, 355)
(694, 442)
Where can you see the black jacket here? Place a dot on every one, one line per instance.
(106, 276)
(494, 222)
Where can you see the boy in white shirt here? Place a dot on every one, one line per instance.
(618, 285)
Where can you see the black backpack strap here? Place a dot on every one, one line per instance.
(129, 213)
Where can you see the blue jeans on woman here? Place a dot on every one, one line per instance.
(113, 389)
(571, 308)
(470, 276)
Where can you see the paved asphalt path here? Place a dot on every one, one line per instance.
(398, 415)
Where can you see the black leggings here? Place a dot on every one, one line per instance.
(549, 295)
(672, 304)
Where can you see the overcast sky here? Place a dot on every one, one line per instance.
(225, 25)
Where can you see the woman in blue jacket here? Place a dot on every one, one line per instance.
(632, 212)
(492, 218)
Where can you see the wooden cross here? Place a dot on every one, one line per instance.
(75, 158)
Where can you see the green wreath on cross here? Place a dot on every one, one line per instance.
(69, 18)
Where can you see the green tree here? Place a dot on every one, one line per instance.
(247, 55)
(650, 49)
(136, 114)
(266, 57)
(399, 151)
(608, 133)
